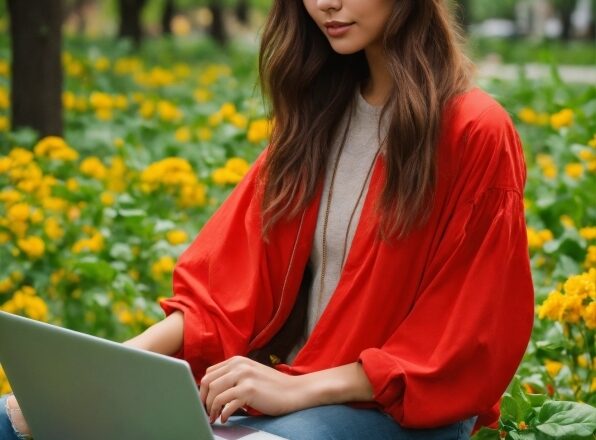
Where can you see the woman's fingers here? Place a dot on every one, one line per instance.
(218, 386)
(207, 381)
(228, 396)
(230, 409)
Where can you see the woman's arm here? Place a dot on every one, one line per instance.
(165, 337)
(346, 383)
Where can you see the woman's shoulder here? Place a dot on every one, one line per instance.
(480, 137)
(475, 109)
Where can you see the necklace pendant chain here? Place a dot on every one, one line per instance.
(326, 218)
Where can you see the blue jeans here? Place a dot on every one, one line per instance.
(342, 422)
(330, 422)
(7, 431)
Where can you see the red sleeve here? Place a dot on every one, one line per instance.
(215, 277)
(457, 350)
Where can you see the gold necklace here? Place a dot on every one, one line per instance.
(326, 219)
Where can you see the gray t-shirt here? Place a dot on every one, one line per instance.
(356, 158)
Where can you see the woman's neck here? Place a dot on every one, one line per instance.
(378, 86)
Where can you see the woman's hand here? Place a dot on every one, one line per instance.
(239, 381)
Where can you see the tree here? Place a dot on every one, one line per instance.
(565, 9)
(217, 29)
(242, 11)
(36, 41)
(130, 20)
(169, 10)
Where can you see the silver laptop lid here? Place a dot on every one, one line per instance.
(72, 385)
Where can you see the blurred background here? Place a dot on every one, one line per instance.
(125, 123)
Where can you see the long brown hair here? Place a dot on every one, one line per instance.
(306, 82)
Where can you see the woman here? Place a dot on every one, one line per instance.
(370, 275)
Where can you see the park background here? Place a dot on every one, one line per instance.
(125, 123)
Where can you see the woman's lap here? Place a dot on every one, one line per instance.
(343, 422)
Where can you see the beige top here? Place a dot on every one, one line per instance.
(358, 153)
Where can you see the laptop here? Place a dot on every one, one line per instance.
(72, 385)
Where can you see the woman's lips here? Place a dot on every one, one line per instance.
(338, 31)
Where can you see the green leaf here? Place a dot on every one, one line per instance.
(486, 434)
(132, 213)
(563, 420)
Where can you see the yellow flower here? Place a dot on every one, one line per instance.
(183, 134)
(55, 148)
(54, 204)
(239, 120)
(72, 184)
(4, 124)
(95, 243)
(572, 309)
(589, 315)
(4, 385)
(582, 361)
(589, 233)
(18, 212)
(20, 156)
(104, 114)
(53, 229)
(215, 119)
(220, 176)
(553, 367)
(4, 68)
(564, 118)
(102, 64)
(147, 109)
(537, 239)
(227, 110)
(9, 196)
(204, 134)
(574, 170)
(120, 102)
(202, 95)
(4, 99)
(93, 167)
(580, 285)
(592, 142)
(168, 111)
(5, 285)
(100, 100)
(33, 246)
(586, 155)
(259, 130)
(177, 237)
(237, 165)
(36, 216)
(552, 306)
(119, 143)
(590, 257)
(107, 198)
(528, 115)
(567, 221)
(163, 266)
(26, 301)
(4, 238)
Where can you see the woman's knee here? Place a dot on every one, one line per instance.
(8, 426)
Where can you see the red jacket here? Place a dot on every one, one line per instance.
(439, 320)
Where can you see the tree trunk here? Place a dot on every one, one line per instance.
(217, 29)
(166, 17)
(36, 72)
(130, 20)
(566, 9)
(242, 11)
